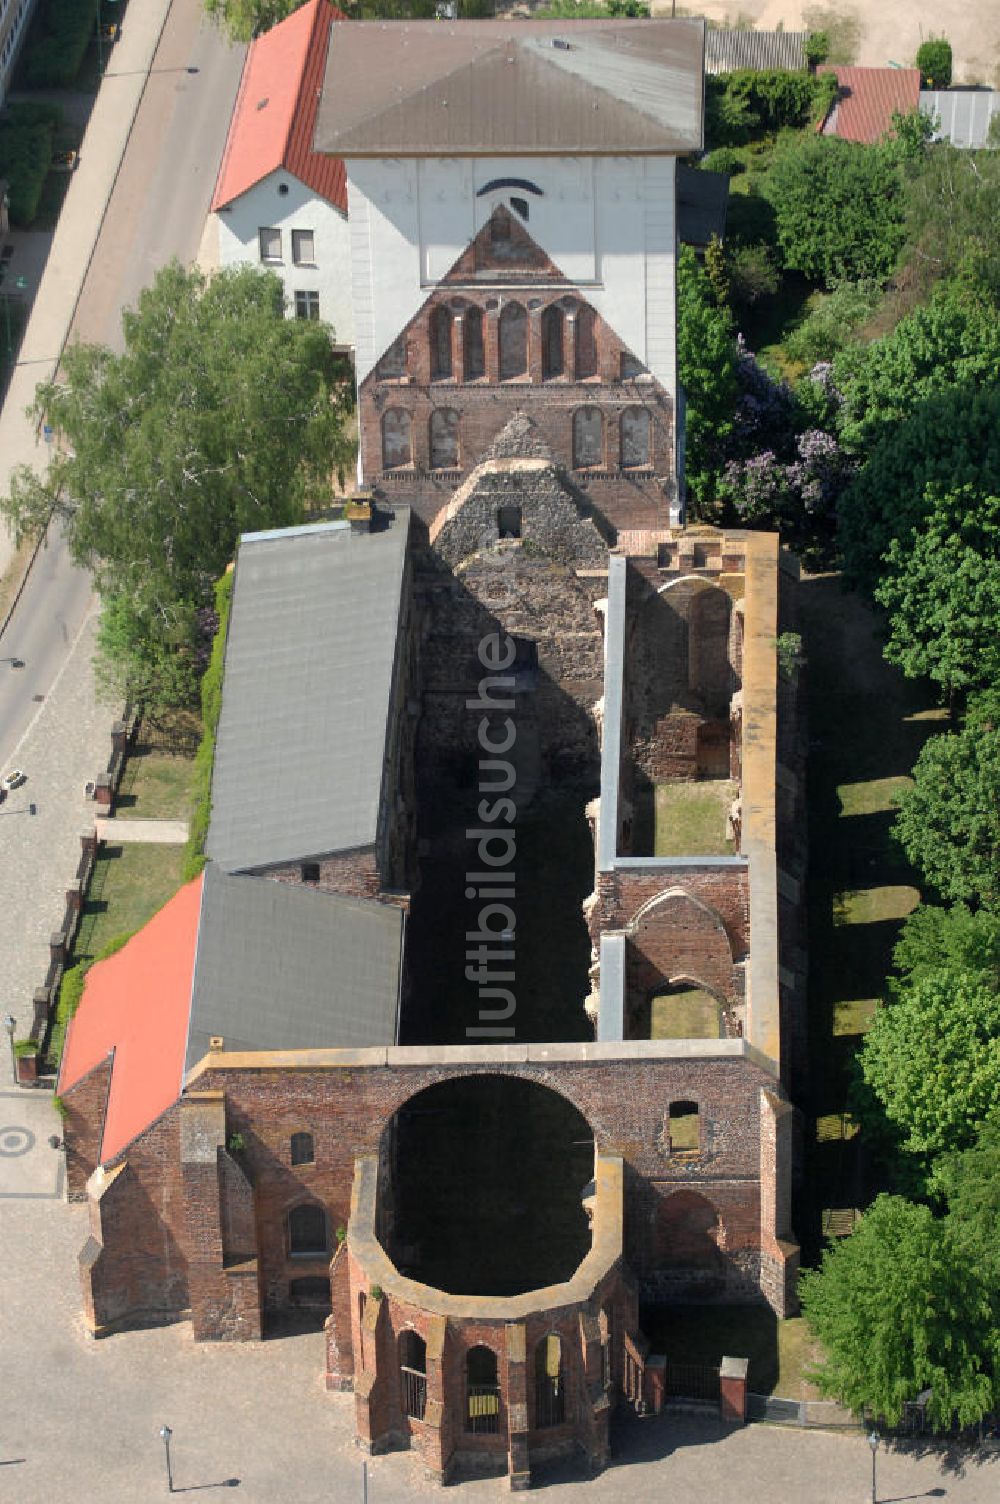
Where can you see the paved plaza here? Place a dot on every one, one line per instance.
(79, 1419)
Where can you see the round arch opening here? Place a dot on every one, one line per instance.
(481, 1186)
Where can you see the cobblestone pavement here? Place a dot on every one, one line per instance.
(39, 852)
(79, 1420)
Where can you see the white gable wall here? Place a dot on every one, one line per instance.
(608, 223)
(298, 209)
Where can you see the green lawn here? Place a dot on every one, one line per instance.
(684, 1013)
(129, 884)
(691, 818)
(780, 1352)
(156, 783)
(866, 726)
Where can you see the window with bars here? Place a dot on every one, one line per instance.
(307, 1231)
(303, 1151)
(413, 1374)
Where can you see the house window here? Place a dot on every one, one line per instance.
(397, 439)
(509, 522)
(307, 1232)
(482, 1392)
(302, 1148)
(270, 244)
(550, 1388)
(635, 428)
(628, 367)
(685, 1129)
(552, 342)
(521, 206)
(444, 439)
(440, 332)
(303, 248)
(588, 438)
(586, 343)
(393, 362)
(413, 1374)
(513, 342)
(307, 305)
(310, 872)
(475, 353)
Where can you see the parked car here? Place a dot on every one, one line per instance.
(13, 780)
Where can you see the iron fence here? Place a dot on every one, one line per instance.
(482, 1416)
(550, 1401)
(414, 1386)
(692, 1381)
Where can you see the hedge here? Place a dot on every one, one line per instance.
(55, 54)
(27, 132)
(211, 705)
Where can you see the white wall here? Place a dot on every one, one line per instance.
(608, 224)
(298, 209)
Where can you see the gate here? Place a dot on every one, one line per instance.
(634, 1373)
(693, 1381)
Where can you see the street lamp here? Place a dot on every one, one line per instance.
(873, 1443)
(10, 1024)
(166, 1433)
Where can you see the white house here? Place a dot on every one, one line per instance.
(278, 203)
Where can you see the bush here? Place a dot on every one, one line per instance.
(934, 62)
(831, 325)
(752, 274)
(744, 104)
(817, 48)
(64, 29)
(838, 209)
(723, 159)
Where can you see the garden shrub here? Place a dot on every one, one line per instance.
(62, 35)
(26, 142)
(934, 62)
(753, 273)
(744, 104)
(723, 159)
(832, 323)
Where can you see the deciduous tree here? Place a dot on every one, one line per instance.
(706, 363)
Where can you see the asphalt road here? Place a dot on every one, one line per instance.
(157, 211)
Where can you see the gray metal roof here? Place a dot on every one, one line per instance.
(702, 201)
(425, 88)
(306, 693)
(964, 114)
(282, 967)
(727, 49)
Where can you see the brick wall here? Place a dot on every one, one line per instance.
(85, 1105)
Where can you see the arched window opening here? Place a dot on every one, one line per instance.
(604, 1326)
(393, 362)
(553, 361)
(513, 342)
(520, 206)
(482, 1392)
(586, 343)
(444, 439)
(413, 1374)
(635, 432)
(588, 438)
(440, 334)
(475, 351)
(685, 1128)
(550, 1388)
(307, 1231)
(397, 439)
(303, 1149)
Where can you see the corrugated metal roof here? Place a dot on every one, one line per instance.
(275, 114)
(430, 88)
(136, 1004)
(729, 49)
(281, 967)
(702, 201)
(867, 100)
(306, 693)
(964, 115)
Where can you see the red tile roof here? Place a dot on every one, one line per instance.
(275, 115)
(136, 1004)
(868, 99)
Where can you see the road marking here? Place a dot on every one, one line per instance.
(55, 683)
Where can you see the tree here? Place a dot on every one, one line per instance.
(243, 19)
(956, 939)
(949, 820)
(934, 62)
(220, 417)
(942, 592)
(947, 440)
(953, 218)
(971, 1183)
(932, 1057)
(706, 365)
(897, 1312)
(838, 208)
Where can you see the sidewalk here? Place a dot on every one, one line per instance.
(122, 829)
(75, 237)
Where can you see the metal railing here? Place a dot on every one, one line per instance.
(482, 1409)
(692, 1381)
(550, 1400)
(414, 1387)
